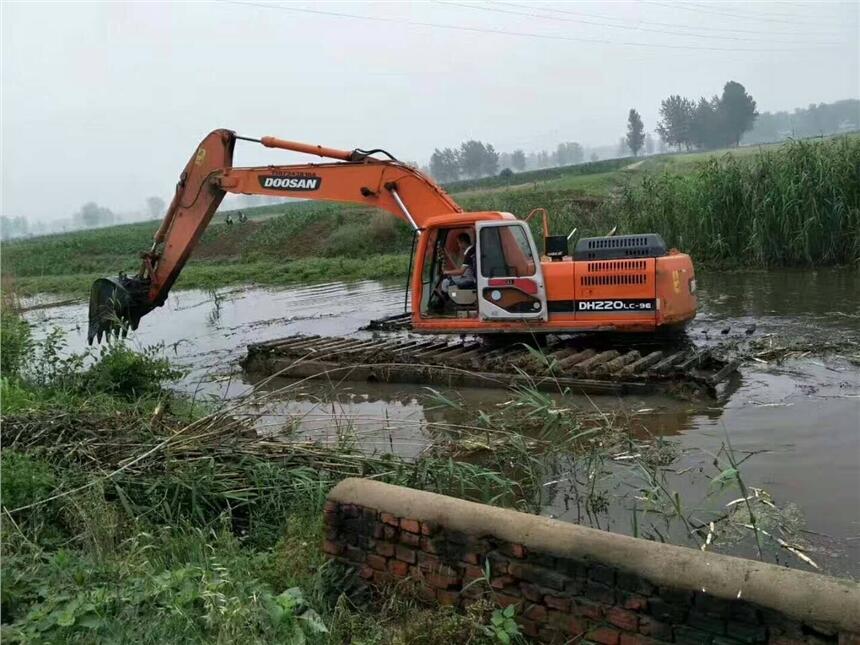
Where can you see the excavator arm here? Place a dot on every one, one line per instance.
(117, 304)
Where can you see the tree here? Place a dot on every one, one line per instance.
(155, 206)
(518, 160)
(594, 157)
(92, 215)
(472, 158)
(445, 165)
(12, 227)
(635, 132)
(706, 127)
(490, 164)
(676, 114)
(737, 111)
(623, 150)
(568, 153)
(649, 144)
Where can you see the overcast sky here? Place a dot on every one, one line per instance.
(106, 102)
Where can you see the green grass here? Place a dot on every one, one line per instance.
(688, 198)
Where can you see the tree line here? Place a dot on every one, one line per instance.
(90, 215)
(473, 159)
(706, 124)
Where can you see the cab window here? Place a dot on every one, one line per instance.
(506, 252)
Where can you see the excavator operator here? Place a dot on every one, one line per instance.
(463, 277)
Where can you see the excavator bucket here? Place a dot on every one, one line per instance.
(116, 305)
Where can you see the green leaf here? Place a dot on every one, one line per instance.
(497, 618)
(314, 622)
(66, 619)
(509, 611)
(503, 637)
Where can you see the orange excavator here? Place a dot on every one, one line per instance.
(621, 283)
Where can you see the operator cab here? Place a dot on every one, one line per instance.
(487, 269)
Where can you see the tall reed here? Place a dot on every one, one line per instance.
(798, 205)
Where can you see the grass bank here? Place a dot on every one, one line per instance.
(793, 204)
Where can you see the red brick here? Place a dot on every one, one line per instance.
(532, 592)
(849, 639)
(366, 572)
(535, 612)
(411, 539)
(390, 519)
(378, 531)
(428, 546)
(636, 603)
(404, 553)
(389, 532)
(442, 582)
(622, 618)
(447, 598)
(354, 553)
(515, 550)
(472, 558)
(472, 573)
(548, 635)
(528, 628)
(349, 510)
(566, 623)
(604, 635)
(429, 528)
(413, 526)
(504, 600)
(332, 548)
(385, 549)
(398, 568)
(500, 582)
(654, 628)
(554, 602)
(636, 639)
(588, 609)
(376, 561)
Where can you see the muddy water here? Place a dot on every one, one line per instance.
(798, 419)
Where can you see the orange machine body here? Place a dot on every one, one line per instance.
(668, 281)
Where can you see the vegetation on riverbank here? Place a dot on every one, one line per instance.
(795, 204)
(132, 516)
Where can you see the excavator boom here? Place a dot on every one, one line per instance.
(358, 177)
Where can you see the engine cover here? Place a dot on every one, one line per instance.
(620, 247)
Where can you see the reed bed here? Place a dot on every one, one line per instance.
(798, 205)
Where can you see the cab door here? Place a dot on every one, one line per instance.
(509, 276)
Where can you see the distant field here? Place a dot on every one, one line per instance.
(678, 195)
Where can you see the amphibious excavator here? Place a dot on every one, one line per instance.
(618, 283)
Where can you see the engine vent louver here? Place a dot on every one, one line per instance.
(648, 245)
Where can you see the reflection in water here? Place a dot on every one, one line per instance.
(798, 419)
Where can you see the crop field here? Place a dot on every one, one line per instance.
(795, 204)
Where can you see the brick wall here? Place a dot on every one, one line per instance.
(570, 582)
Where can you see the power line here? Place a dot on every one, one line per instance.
(662, 24)
(603, 24)
(795, 16)
(696, 9)
(502, 32)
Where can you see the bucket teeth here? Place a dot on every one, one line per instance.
(116, 305)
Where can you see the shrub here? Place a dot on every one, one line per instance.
(123, 372)
(16, 342)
